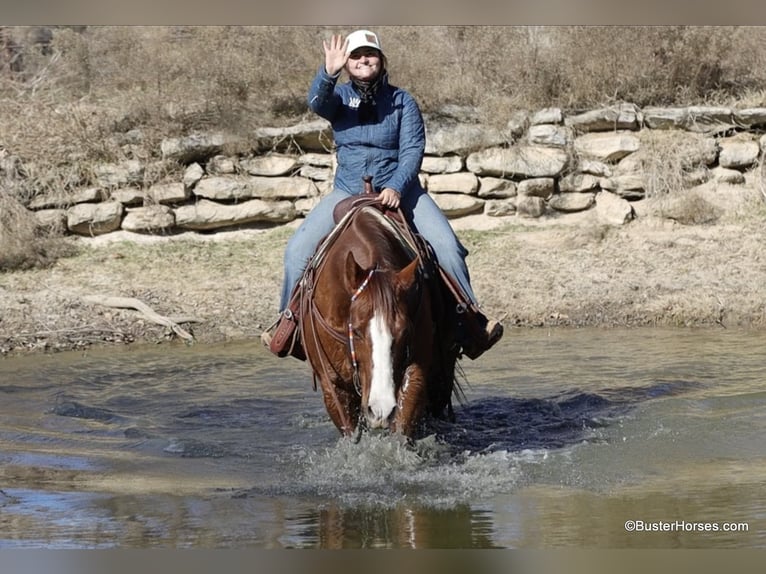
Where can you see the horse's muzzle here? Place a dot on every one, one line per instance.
(378, 420)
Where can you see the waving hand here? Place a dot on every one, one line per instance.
(335, 56)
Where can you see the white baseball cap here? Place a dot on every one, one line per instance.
(362, 38)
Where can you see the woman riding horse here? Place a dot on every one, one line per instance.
(378, 130)
(376, 325)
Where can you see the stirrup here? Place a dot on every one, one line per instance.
(268, 334)
(282, 337)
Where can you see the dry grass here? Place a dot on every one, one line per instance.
(669, 159)
(23, 245)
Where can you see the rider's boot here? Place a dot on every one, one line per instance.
(476, 333)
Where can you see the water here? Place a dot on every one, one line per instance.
(565, 436)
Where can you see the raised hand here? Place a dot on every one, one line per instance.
(335, 56)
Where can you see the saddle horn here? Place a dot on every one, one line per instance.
(368, 189)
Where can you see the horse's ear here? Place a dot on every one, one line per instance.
(408, 275)
(354, 273)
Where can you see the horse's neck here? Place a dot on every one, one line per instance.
(404, 239)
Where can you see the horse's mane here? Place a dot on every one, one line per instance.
(378, 232)
(380, 291)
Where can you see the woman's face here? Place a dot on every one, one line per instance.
(364, 64)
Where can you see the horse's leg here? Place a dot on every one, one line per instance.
(342, 406)
(441, 377)
(412, 400)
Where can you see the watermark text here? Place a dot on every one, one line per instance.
(684, 526)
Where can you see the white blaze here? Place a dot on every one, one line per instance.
(382, 400)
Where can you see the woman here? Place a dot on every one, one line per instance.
(378, 131)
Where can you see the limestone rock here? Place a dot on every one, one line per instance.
(594, 167)
(660, 118)
(464, 182)
(274, 188)
(496, 187)
(536, 187)
(709, 119)
(270, 165)
(738, 153)
(315, 173)
(629, 186)
(572, 202)
(192, 174)
(751, 117)
(316, 159)
(530, 206)
(168, 193)
(608, 147)
(88, 195)
(631, 164)
(458, 204)
(522, 161)
(696, 177)
(547, 116)
(518, 124)
(499, 207)
(304, 205)
(221, 165)
(128, 196)
(221, 188)
(550, 135)
(205, 215)
(613, 210)
(152, 218)
(310, 136)
(445, 139)
(622, 117)
(445, 164)
(94, 218)
(578, 182)
(726, 175)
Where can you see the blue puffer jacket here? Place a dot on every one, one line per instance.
(389, 149)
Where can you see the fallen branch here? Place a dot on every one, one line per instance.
(145, 310)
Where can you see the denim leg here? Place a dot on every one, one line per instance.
(303, 243)
(433, 225)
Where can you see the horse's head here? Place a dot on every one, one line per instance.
(383, 323)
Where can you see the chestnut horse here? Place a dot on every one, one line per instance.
(376, 327)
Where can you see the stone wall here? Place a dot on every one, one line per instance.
(541, 163)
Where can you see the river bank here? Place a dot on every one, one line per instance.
(567, 271)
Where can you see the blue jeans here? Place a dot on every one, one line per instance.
(427, 217)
